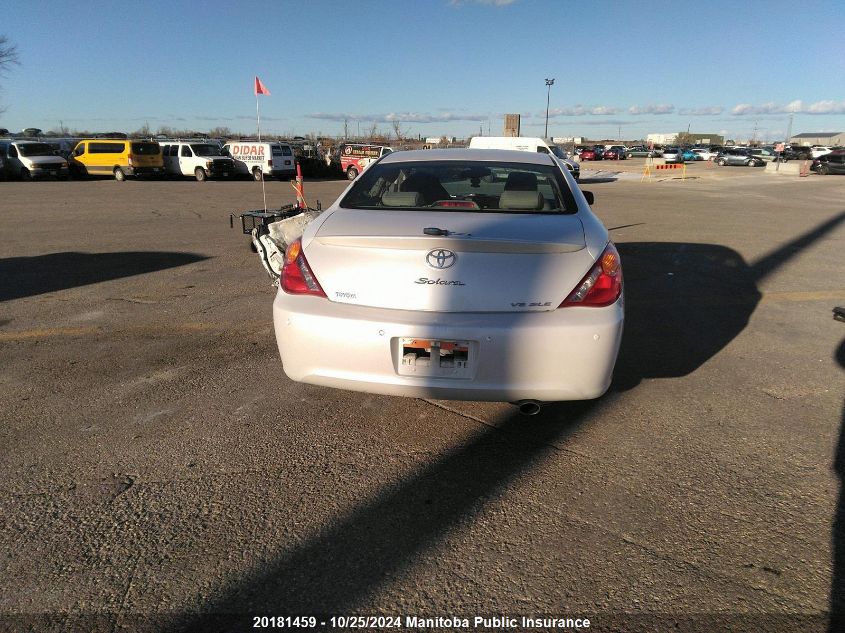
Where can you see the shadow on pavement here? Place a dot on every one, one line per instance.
(28, 276)
(837, 585)
(683, 303)
(596, 180)
(384, 536)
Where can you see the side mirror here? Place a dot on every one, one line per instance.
(589, 196)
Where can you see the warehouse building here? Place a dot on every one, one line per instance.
(828, 139)
(690, 138)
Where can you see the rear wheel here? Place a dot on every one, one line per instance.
(256, 174)
(824, 170)
(351, 173)
(119, 176)
(200, 175)
(721, 162)
(750, 163)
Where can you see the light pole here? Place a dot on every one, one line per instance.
(549, 84)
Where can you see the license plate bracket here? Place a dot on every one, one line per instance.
(435, 357)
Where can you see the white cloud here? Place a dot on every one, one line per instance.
(574, 111)
(404, 117)
(580, 110)
(660, 108)
(766, 108)
(603, 110)
(827, 106)
(705, 111)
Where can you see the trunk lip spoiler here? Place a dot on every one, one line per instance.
(462, 244)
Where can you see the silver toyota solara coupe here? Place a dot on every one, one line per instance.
(454, 274)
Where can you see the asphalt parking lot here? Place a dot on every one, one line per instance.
(157, 466)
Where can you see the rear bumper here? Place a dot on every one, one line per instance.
(565, 354)
(144, 171)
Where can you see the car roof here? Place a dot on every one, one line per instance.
(497, 155)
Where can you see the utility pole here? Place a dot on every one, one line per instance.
(549, 84)
(786, 140)
(789, 129)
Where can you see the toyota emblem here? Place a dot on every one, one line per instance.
(440, 258)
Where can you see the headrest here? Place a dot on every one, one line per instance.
(522, 200)
(402, 199)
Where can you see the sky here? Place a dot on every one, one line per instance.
(622, 69)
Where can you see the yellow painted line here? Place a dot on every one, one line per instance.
(53, 332)
(154, 328)
(809, 295)
(22, 335)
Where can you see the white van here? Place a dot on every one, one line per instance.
(31, 159)
(200, 159)
(267, 159)
(526, 144)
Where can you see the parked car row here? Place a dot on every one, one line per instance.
(602, 152)
(124, 158)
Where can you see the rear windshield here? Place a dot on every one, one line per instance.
(35, 149)
(145, 148)
(462, 186)
(282, 150)
(206, 149)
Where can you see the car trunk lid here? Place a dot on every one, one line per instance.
(465, 262)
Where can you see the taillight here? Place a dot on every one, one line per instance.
(297, 278)
(270, 162)
(131, 160)
(602, 285)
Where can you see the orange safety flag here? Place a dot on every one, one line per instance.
(260, 88)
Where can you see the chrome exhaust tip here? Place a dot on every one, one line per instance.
(528, 407)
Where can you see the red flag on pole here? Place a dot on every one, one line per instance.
(260, 89)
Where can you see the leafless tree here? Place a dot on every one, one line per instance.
(8, 53)
(8, 58)
(220, 132)
(142, 132)
(398, 131)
